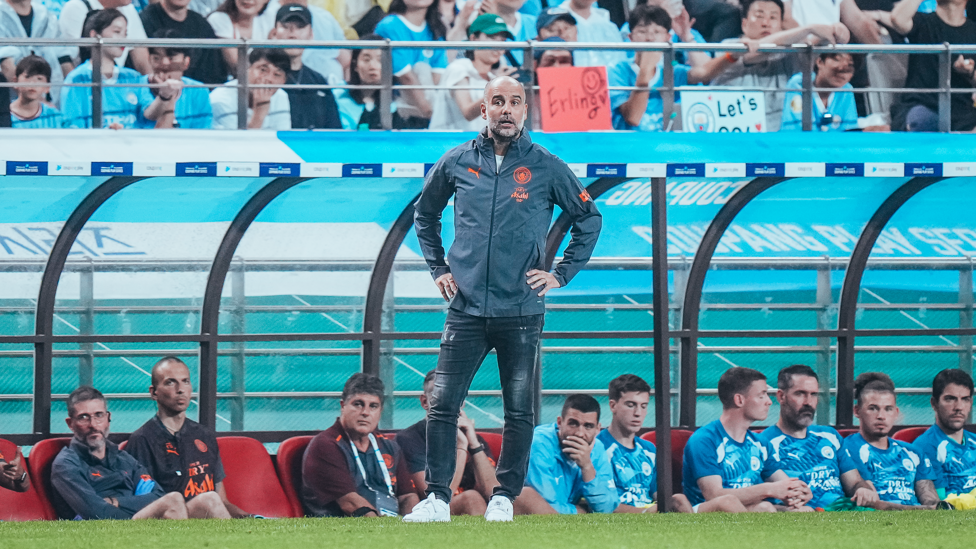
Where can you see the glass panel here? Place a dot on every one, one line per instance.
(121, 372)
(17, 387)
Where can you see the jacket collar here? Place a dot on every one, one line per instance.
(520, 145)
(111, 452)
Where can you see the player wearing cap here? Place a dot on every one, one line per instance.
(504, 189)
(179, 453)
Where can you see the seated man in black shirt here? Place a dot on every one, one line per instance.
(181, 454)
(919, 111)
(310, 108)
(206, 64)
(474, 474)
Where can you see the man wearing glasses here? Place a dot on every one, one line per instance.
(93, 479)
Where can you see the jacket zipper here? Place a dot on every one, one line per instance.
(491, 231)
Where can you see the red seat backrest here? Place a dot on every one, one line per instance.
(20, 506)
(494, 441)
(290, 454)
(123, 444)
(39, 463)
(251, 482)
(847, 432)
(679, 438)
(910, 434)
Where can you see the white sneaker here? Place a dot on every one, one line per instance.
(499, 509)
(429, 510)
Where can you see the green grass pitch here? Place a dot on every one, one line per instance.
(910, 530)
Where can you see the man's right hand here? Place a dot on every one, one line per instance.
(445, 283)
(579, 450)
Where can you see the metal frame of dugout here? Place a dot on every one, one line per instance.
(376, 340)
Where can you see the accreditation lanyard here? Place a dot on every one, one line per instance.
(379, 460)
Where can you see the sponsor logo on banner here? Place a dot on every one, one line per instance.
(765, 170)
(362, 170)
(959, 168)
(268, 169)
(724, 111)
(606, 170)
(884, 169)
(725, 170)
(579, 170)
(237, 169)
(71, 168)
(26, 168)
(805, 169)
(427, 168)
(111, 168)
(686, 170)
(844, 170)
(403, 170)
(196, 169)
(647, 170)
(321, 169)
(923, 170)
(158, 169)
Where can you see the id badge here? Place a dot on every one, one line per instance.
(386, 505)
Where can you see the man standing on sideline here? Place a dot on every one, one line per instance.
(181, 454)
(494, 279)
(950, 448)
(811, 453)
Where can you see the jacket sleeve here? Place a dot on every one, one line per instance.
(134, 503)
(69, 480)
(568, 193)
(601, 492)
(542, 474)
(438, 189)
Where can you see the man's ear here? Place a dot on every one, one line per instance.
(739, 400)
(186, 63)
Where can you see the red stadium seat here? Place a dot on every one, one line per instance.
(251, 482)
(39, 466)
(290, 454)
(847, 432)
(20, 506)
(910, 434)
(679, 438)
(494, 441)
(123, 444)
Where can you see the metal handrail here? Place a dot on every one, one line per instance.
(667, 90)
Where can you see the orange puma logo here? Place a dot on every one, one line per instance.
(476, 173)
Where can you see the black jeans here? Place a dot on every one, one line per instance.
(465, 343)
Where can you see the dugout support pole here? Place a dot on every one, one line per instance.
(662, 340)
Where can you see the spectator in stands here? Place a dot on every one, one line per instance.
(681, 32)
(14, 476)
(268, 108)
(120, 105)
(902, 475)
(27, 19)
(830, 12)
(177, 103)
(457, 105)
(521, 25)
(456, 20)
(4, 104)
(29, 109)
(249, 19)
(553, 58)
(762, 21)
(811, 453)
(716, 20)
(634, 460)
(947, 445)
(310, 108)
(832, 110)
(182, 455)
(206, 64)
(919, 111)
(568, 464)
(360, 16)
(331, 63)
(93, 479)
(358, 108)
(474, 477)
(593, 25)
(75, 14)
(410, 21)
(725, 457)
(557, 22)
(350, 470)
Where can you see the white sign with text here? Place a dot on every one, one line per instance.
(723, 111)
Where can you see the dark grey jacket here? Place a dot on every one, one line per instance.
(500, 222)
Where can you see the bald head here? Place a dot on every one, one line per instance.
(171, 387)
(504, 108)
(165, 366)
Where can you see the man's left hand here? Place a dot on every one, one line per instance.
(539, 278)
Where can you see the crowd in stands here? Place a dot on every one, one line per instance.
(171, 466)
(183, 86)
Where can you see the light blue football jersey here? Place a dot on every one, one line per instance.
(816, 460)
(634, 470)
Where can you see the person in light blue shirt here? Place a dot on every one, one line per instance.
(681, 33)
(531, 7)
(521, 25)
(949, 447)
(634, 460)
(593, 24)
(725, 458)
(29, 109)
(902, 475)
(832, 110)
(417, 22)
(568, 468)
(358, 108)
(120, 105)
(811, 453)
(177, 104)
